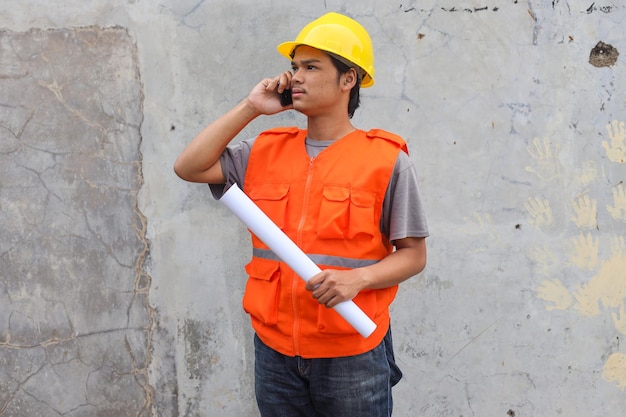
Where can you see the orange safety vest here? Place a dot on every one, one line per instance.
(330, 206)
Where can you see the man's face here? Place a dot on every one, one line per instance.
(315, 84)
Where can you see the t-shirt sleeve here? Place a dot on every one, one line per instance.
(403, 211)
(234, 161)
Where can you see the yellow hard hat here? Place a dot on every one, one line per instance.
(341, 36)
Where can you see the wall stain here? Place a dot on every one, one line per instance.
(199, 338)
(603, 55)
(603, 9)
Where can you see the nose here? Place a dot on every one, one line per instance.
(296, 78)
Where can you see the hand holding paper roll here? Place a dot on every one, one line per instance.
(261, 225)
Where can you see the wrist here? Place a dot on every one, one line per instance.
(366, 279)
(248, 110)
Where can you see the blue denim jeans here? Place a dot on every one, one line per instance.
(352, 386)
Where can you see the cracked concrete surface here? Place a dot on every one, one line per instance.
(75, 318)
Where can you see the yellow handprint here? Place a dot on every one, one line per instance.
(615, 369)
(555, 292)
(540, 211)
(618, 211)
(548, 166)
(587, 301)
(544, 258)
(588, 174)
(585, 254)
(616, 150)
(586, 213)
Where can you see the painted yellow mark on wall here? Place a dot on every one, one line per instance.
(616, 149)
(605, 291)
(588, 174)
(546, 158)
(540, 212)
(584, 252)
(586, 213)
(618, 210)
(544, 259)
(556, 293)
(607, 288)
(477, 224)
(615, 369)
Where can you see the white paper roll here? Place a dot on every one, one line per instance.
(263, 227)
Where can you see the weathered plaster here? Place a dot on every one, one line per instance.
(76, 324)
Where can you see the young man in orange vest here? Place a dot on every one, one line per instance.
(348, 198)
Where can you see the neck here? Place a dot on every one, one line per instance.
(328, 128)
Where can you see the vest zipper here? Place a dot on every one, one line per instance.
(296, 280)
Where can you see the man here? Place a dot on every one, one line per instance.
(348, 198)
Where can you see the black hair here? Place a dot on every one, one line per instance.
(355, 93)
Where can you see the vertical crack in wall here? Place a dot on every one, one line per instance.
(142, 285)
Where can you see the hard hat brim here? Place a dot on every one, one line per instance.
(286, 49)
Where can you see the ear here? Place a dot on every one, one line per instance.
(349, 79)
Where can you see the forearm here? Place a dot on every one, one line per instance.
(399, 266)
(198, 161)
(332, 286)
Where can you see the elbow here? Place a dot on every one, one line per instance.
(420, 266)
(178, 170)
(420, 257)
(419, 262)
(182, 171)
(423, 261)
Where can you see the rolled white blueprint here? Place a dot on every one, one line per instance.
(263, 227)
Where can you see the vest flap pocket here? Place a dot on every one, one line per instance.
(335, 193)
(361, 198)
(272, 192)
(263, 269)
(260, 299)
(272, 200)
(334, 209)
(363, 222)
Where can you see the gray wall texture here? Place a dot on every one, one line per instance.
(120, 285)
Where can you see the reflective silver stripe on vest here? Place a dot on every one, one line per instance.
(326, 260)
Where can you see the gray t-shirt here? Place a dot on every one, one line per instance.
(403, 213)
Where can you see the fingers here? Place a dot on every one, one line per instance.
(281, 82)
(315, 281)
(325, 296)
(323, 290)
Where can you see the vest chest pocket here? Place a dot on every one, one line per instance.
(347, 213)
(260, 299)
(272, 200)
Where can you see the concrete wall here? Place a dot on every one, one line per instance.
(120, 285)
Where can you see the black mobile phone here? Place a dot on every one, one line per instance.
(285, 98)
